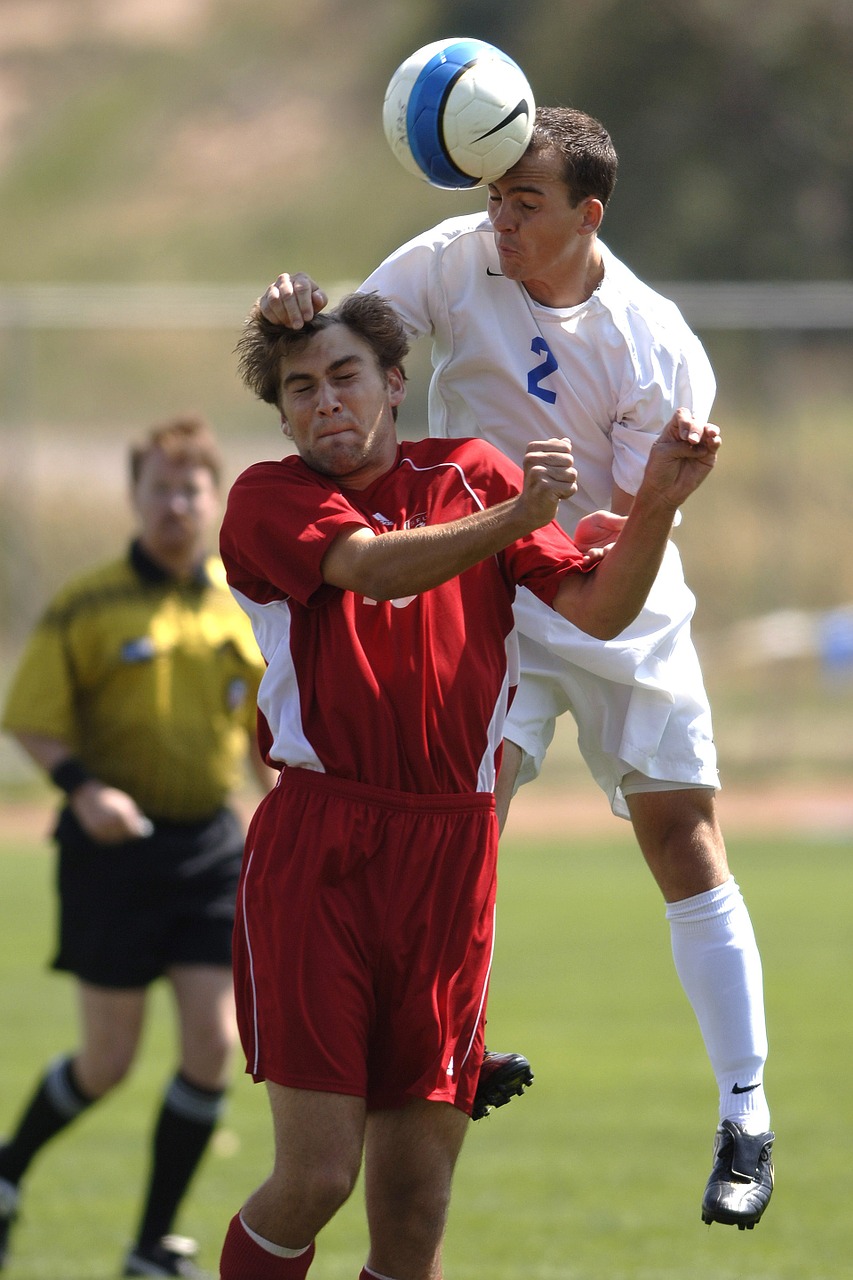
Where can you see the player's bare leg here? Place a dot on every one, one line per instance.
(717, 960)
(410, 1155)
(505, 785)
(681, 840)
(318, 1145)
(503, 1076)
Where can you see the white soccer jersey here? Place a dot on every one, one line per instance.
(608, 374)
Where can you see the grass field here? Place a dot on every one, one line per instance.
(597, 1173)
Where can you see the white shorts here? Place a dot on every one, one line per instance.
(639, 702)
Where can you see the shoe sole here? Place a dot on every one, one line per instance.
(730, 1220)
(502, 1089)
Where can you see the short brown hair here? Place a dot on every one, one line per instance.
(186, 438)
(264, 344)
(586, 148)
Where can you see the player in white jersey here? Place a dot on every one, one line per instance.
(537, 329)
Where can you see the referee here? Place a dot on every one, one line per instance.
(137, 694)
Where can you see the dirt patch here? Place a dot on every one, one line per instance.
(578, 811)
(768, 810)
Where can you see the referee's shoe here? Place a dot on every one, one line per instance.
(9, 1197)
(502, 1076)
(741, 1181)
(171, 1256)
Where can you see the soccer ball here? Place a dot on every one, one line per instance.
(458, 113)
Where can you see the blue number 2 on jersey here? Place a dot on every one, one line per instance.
(535, 376)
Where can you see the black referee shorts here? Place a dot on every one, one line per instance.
(128, 912)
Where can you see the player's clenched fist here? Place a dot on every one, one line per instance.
(682, 456)
(549, 472)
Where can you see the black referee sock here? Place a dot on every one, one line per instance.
(56, 1102)
(184, 1128)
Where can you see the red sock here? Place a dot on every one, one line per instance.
(244, 1259)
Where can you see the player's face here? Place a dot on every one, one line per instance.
(540, 237)
(337, 405)
(177, 504)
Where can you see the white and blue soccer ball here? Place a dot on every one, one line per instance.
(458, 113)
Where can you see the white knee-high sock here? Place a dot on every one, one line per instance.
(717, 960)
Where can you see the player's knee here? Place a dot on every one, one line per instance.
(416, 1208)
(681, 822)
(327, 1187)
(694, 834)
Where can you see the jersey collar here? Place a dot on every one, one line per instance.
(150, 571)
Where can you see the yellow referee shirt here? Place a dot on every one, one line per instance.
(151, 683)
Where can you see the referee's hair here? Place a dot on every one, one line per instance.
(186, 439)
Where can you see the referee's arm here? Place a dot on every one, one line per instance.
(105, 813)
(266, 777)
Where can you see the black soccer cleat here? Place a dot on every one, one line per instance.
(171, 1256)
(502, 1076)
(9, 1200)
(741, 1181)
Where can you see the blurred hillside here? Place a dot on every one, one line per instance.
(216, 142)
(210, 139)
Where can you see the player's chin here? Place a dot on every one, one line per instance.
(337, 458)
(511, 265)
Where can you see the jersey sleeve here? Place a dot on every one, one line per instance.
(403, 279)
(40, 699)
(542, 559)
(670, 371)
(410, 277)
(279, 522)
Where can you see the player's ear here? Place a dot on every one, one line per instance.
(285, 428)
(396, 387)
(593, 213)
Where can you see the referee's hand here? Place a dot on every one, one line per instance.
(108, 815)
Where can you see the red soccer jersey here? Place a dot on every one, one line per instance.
(408, 695)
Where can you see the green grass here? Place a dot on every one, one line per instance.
(597, 1173)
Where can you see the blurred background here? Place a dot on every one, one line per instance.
(162, 160)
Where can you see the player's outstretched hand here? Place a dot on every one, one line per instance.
(292, 300)
(682, 457)
(596, 534)
(549, 477)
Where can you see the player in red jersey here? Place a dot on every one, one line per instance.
(379, 577)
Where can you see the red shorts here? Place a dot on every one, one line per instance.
(363, 941)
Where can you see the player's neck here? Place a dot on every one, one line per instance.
(571, 287)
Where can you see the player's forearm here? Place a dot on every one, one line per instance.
(406, 562)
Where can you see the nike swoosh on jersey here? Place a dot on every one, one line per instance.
(521, 109)
(490, 272)
(744, 1088)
